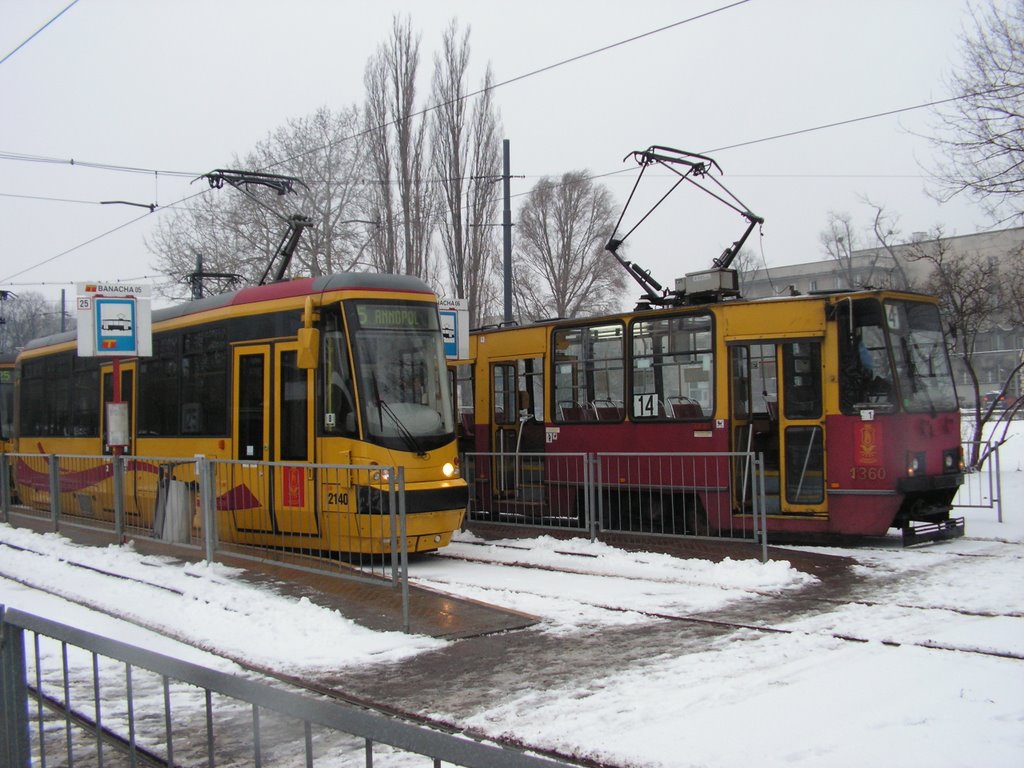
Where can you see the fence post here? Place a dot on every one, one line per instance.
(118, 465)
(206, 473)
(594, 508)
(760, 501)
(55, 491)
(393, 505)
(5, 487)
(999, 488)
(15, 745)
(404, 549)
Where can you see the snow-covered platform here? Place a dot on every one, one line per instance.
(376, 606)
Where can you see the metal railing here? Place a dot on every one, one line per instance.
(682, 494)
(72, 697)
(292, 513)
(982, 488)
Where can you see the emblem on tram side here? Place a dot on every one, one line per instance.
(867, 451)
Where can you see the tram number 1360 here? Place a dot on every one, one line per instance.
(867, 473)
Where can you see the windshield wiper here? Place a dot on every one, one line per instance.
(410, 440)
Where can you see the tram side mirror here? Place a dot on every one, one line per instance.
(309, 348)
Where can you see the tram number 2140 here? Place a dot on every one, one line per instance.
(336, 498)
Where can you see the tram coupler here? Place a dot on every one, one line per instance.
(953, 528)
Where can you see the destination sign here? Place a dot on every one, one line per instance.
(397, 317)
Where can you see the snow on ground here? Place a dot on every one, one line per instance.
(808, 698)
(629, 583)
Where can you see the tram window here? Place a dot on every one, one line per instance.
(673, 360)
(519, 391)
(805, 473)
(504, 402)
(801, 365)
(85, 402)
(6, 404)
(588, 371)
(339, 404)
(204, 381)
(158, 392)
(919, 348)
(865, 373)
(294, 427)
(462, 387)
(59, 386)
(250, 406)
(59, 397)
(34, 402)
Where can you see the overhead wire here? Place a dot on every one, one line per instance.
(134, 169)
(107, 166)
(27, 40)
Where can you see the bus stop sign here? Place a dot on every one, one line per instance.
(114, 320)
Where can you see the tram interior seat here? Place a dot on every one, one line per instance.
(570, 410)
(684, 407)
(608, 410)
(761, 423)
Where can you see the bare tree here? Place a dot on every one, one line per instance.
(325, 151)
(982, 131)
(858, 264)
(239, 233)
(28, 316)
(839, 241)
(560, 264)
(397, 155)
(466, 158)
(746, 264)
(970, 299)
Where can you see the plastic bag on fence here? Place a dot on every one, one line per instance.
(178, 513)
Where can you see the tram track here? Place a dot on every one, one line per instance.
(297, 682)
(754, 592)
(807, 600)
(397, 707)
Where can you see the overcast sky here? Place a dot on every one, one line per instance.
(182, 86)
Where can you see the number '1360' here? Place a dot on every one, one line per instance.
(867, 473)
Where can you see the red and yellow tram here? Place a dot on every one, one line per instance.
(848, 396)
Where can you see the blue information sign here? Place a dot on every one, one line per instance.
(116, 331)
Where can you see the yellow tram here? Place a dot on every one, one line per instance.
(277, 379)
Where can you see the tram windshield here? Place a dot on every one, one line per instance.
(401, 375)
(919, 352)
(893, 355)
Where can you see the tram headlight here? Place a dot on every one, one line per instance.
(953, 460)
(915, 463)
(449, 470)
(381, 475)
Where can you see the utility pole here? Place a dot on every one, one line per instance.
(506, 225)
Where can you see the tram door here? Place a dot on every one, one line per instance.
(272, 423)
(517, 419)
(777, 410)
